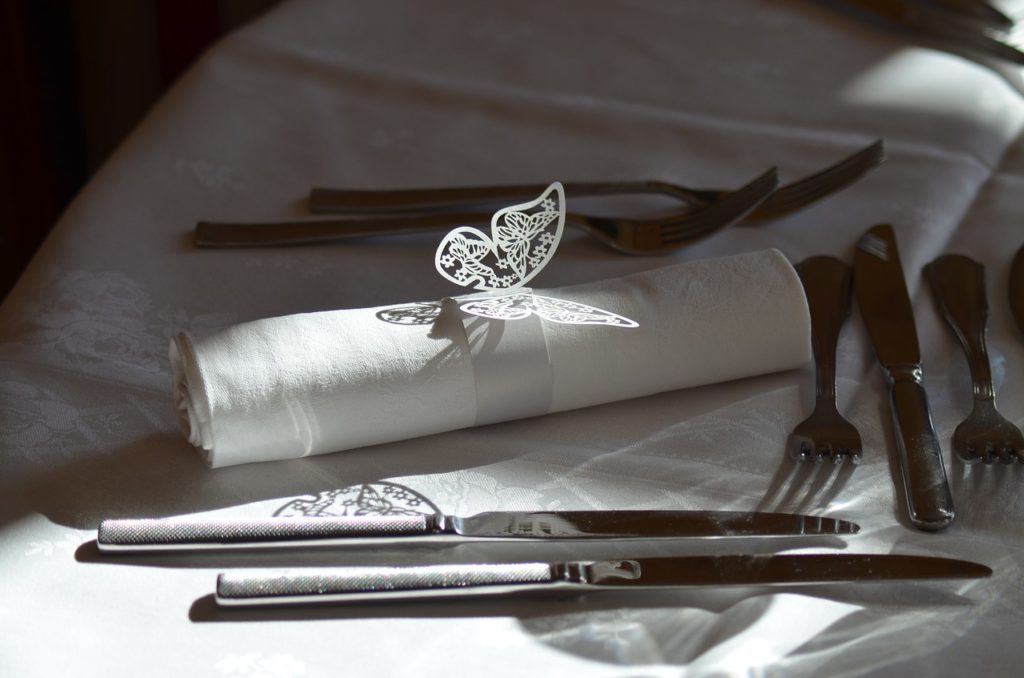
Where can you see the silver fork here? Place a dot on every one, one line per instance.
(630, 236)
(785, 200)
(825, 434)
(958, 283)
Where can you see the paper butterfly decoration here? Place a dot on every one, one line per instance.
(522, 241)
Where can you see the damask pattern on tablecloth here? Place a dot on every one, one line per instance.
(90, 320)
(42, 425)
(101, 326)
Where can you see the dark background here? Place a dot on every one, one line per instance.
(77, 76)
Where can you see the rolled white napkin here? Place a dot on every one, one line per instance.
(314, 383)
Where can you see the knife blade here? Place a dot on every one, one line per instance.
(881, 292)
(1016, 288)
(198, 533)
(380, 583)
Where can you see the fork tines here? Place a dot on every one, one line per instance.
(800, 194)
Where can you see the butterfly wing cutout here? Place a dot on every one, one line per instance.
(460, 258)
(574, 313)
(521, 237)
(522, 241)
(507, 307)
(522, 304)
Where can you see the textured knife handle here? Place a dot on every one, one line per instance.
(142, 534)
(924, 475)
(346, 584)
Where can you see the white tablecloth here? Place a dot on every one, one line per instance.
(394, 94)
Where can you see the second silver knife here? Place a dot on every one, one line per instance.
(385, 583)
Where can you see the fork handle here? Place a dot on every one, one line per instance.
(217, 234)
(425, 200)
(827, 284)
(958, 283)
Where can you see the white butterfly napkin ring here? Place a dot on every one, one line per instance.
(522, 241)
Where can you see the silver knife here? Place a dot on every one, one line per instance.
(197, 533)
(350, 584)
(881, 292)
(1016, 288)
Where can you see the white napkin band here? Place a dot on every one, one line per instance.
(510, 361)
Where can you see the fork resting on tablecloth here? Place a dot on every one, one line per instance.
(958, 283)
(630, 236)
(826, 434)
(784, 200)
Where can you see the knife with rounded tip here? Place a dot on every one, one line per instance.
(383, 583)
(1016, 288)
(198, 533)
(881, 292)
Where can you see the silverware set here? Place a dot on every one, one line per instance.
(881, 293)
(958, 285)
(407, 211)
(340, 585)
(875, 279)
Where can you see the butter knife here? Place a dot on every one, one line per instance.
(1016, 288)
(882, 297)
(198, 533)
(381, 583)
